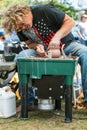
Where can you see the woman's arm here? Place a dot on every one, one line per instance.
(31, 45)
(65, 29)
(36, 46)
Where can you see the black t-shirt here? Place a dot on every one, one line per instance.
(47, 20)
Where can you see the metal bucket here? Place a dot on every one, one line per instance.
(46, 104)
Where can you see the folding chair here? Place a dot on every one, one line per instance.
(77, 85)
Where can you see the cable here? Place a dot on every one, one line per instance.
(63, 115)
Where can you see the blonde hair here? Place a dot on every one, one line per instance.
(12, 14)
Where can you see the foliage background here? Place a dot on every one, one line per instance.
(68, 9)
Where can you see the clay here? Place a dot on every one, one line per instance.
(54, 53)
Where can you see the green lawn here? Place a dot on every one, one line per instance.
(46, 120)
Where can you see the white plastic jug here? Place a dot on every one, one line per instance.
(7, 102)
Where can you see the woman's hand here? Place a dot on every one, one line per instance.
(40, 50)
(54, 44)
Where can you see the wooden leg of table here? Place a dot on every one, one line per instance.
(68, 103)
(58, 104)
(24, 101)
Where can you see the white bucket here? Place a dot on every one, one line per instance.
(46, 104)
(7, 102)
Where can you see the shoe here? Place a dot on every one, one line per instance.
(30, 108)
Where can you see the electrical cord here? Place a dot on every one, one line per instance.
(57, 113)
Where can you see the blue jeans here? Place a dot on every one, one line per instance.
(77, 49)
(83, 41)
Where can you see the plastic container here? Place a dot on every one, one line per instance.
(9, 57)
(7, 102)
(46, 104)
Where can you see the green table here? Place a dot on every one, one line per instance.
(35, 68)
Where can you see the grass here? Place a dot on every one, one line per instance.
(46, 120)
